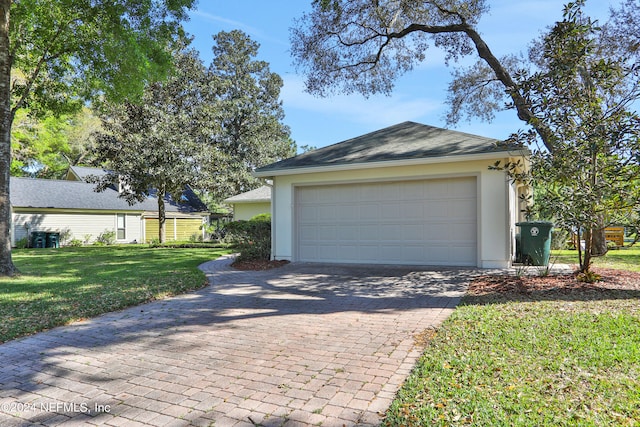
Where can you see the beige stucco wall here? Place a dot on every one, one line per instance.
(495, 211)
(246, 211)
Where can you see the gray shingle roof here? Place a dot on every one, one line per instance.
(83, 172)
(404, 141)
(59, 194)
(262, 194)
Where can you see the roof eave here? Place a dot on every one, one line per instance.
(392, 163)
(235, 202)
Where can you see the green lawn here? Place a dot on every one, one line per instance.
(57, 286)
(550, 358)
(623, 258)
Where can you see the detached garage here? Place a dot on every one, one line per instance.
(408, 194)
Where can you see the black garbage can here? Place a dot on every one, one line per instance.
(38, 239)
(53, 240)
(535, 242)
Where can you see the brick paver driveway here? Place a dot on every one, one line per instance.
(299, 345)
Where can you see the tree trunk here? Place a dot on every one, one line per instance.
(599, 240)
(6, 263)
(162, 217)
(588, 242)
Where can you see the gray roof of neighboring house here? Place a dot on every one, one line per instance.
(83, 172)
(404, 141)
(59, 194)
(262, 194)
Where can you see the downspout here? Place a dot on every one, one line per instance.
(143, 228)
(175, 228)
(273, 217)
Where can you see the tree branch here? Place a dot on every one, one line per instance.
(45, 57)
(522, 108)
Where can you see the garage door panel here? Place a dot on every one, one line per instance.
(428, 222)
(437, 231)
(410, 232)
(367, 252)
(328, 232)
(369, 233)
(411, 191)
(462, 208)
(438, 189)
(461, 232)
(412, 210)
(463, 254)
(388, 233)
(326, 252)
(413, 254)
(389, 211)
(393, 253)
(439, 254)
(369, 212)
(438, 210)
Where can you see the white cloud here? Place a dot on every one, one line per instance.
(233, 24)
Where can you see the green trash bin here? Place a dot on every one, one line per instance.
(38, 239)
(535, 242)
(53, 240)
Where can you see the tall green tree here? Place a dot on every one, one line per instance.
(246, 114)
(71, 51)
(585, 93)
(39, 145)
(150, 148)
(45, 145)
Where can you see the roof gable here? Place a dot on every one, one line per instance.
(404, 141)
(81, 173)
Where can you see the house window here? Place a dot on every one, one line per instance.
(121, 227)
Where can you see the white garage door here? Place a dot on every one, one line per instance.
(425, 222)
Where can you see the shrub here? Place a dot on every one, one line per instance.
(107, 237)
(22, 243)
(251, 238)
(75, 243)
(65, 236)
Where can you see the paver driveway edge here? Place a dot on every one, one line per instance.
(299, 345)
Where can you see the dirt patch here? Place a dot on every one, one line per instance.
(612, 280)
(257, 265)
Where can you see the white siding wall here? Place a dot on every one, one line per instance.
(80, 224)
(494, 193)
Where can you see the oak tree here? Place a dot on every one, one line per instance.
(71, 51)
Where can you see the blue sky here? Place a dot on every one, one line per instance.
(419, 96)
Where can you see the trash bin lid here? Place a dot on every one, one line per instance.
(536, 223)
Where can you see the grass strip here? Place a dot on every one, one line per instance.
(59, 286)
(622, 259)
(559, 361)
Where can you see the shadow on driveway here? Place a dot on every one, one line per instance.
(302, 344)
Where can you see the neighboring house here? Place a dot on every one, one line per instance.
(407, 194)
(252, 203)
(73, 206)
